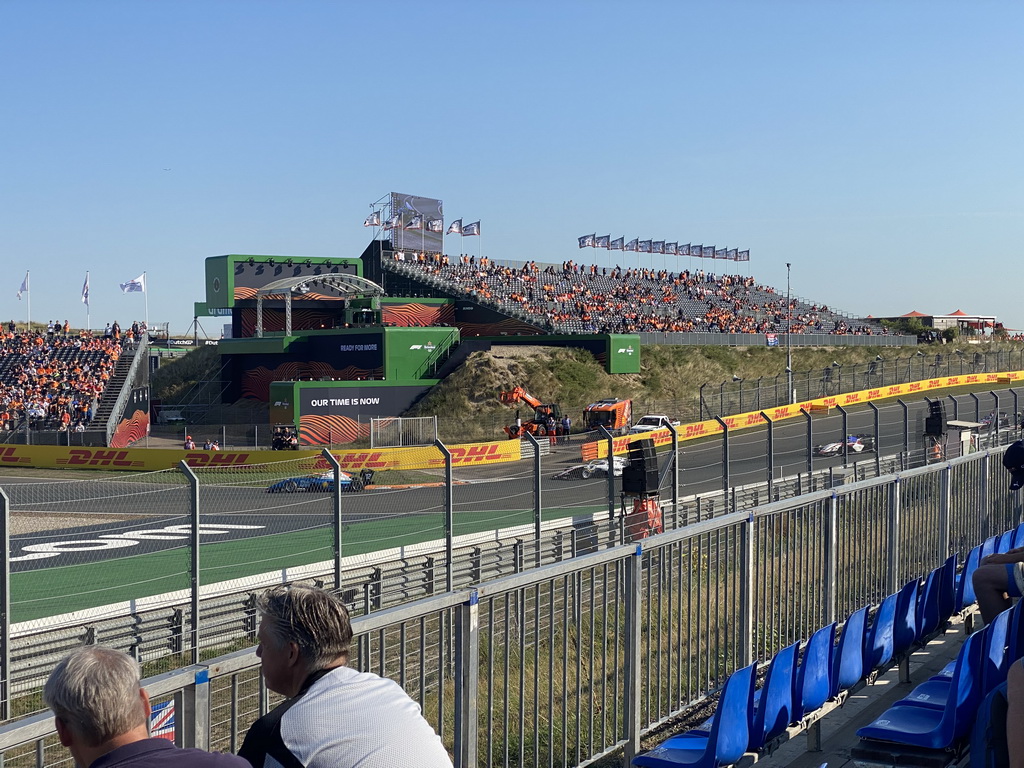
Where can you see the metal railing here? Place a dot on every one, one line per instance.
(564, 664)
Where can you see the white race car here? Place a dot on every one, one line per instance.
(596, 468)
(854, 443)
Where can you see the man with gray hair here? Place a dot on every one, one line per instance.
(335, 717)
(101, 712)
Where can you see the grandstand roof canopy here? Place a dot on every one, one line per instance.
(351, 285)
(347, 285)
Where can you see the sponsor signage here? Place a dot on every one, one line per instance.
(599, 449)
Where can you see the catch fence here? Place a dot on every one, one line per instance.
(573, 661)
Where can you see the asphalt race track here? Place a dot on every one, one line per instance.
(498, 492)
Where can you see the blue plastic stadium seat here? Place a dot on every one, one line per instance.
(774, 707)
(988, 547)
(947, 589)
(848, 659)
(935, 728)
(813, 677)
(1015, 634)
(935, 691)
(729, 736)
(928, 603)
(1018, 536)
(878, 644)
(964, 586)
(1005, 541)
(905, 632)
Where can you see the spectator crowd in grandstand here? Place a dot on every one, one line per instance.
(53, 380)
(590, 299)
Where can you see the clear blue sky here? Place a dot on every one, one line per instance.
(877, 146)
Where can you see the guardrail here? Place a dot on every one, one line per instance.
(572, 661)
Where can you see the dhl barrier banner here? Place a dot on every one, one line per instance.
(430, 458)
(151, 459)
(599, 449)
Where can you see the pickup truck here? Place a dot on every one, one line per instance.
(652, 421)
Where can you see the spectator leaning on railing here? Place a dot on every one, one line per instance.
(334, 715)
(101, 712)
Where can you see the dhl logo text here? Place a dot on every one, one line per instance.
(216, 459)
(84, 457)
(9, 456)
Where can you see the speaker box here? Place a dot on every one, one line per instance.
(937, 409)
(934, 426)
(641, 474)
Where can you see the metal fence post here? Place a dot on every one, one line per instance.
(846, 433)
(537, 500)
(336, 499)
(610, 439)
(725, 459)
(894, 536)
(770, 458)
(5, 607)
(193, 481)
(633, 682)
(193, 702)
(905, 456)
(810, 444)
(675, 476)
(984, 492)
(449, 515)
(746, 649)
(945, 502)
(878, 441)
(831, 559)
(467, 666)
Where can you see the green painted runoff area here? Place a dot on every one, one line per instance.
(56, 590)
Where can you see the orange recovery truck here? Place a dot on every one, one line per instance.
(613, 414)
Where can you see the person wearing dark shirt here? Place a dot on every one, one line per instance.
(101, 712)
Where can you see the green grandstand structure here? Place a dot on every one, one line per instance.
(332, 343)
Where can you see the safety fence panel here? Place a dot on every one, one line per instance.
(864, 537)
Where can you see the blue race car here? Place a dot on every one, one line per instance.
(323, 482)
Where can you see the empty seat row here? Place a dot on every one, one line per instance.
(749, 720)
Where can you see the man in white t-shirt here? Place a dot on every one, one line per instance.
(334, 716)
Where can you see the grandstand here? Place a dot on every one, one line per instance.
(584, 299)
(60, 388)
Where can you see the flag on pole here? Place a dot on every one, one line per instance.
(85, 290)
(602, 241)
(587, 241)
(471, 229)
(645, 246)
(721, 253)
(672, 249)
(733, 254)
(416, 222)
(709, 252)
(373, 220)
(393, 222)
(632, 245)
(138, 285)
(658, 246)
(697, 250)
(616, 244)
(455, 228)
(24, 287)
(435, 225)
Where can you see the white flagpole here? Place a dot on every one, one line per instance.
(88, 306)
(28, 303)
(145, 292)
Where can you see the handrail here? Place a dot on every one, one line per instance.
(141, 350)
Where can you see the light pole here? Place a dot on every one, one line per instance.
(789, 339)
